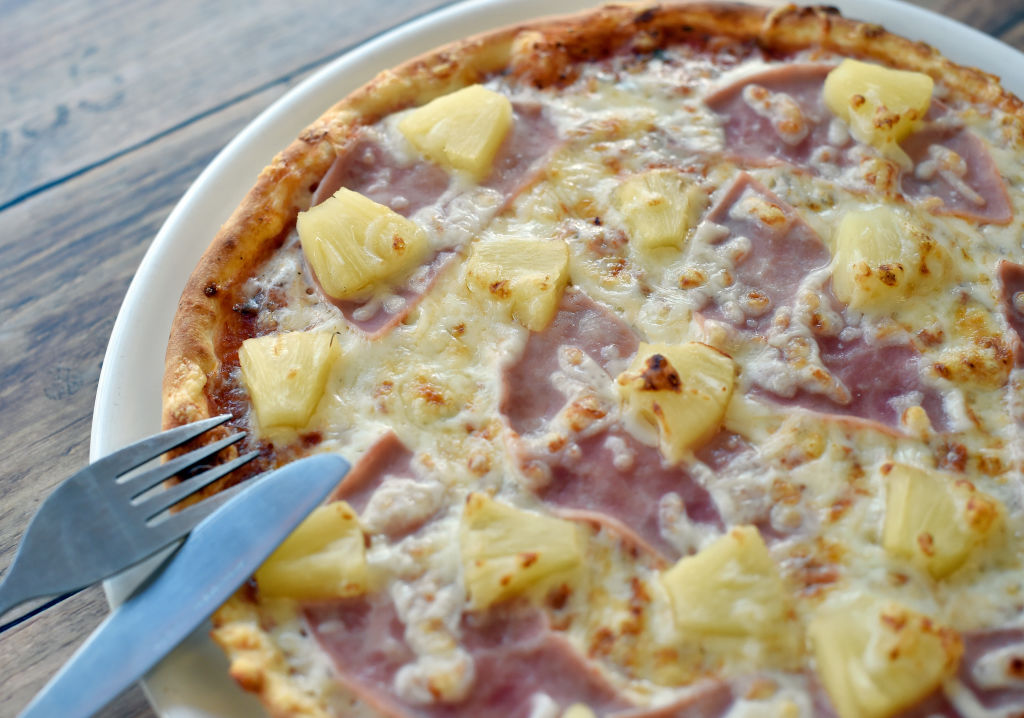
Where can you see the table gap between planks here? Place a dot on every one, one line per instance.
(110, 109)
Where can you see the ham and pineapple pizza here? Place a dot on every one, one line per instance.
(677, 351)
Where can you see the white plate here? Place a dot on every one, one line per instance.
(192, 682)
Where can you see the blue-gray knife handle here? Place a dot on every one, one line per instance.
(220, 554)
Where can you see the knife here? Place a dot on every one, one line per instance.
(220, 554)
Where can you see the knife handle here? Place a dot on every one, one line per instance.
(219, 555)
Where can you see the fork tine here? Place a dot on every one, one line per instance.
(135, 485)
(182, 522)
(140, 452)
(166, 499)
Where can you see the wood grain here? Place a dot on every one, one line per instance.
(110, 109)
(115, 74)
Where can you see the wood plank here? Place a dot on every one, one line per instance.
(88, 80)
(62, 290)
(990, 16)
(1014, 34)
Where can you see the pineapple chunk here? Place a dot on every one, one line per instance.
(935, 520)
(508, 552)
(325, 557)
(876, 658)
(681, 390)
(354, 244)
(579, 710)
(730, 588)
(462, 130)
(286, 375)
(880, 259)
(882, 106)
(530, 274)
(659, 207)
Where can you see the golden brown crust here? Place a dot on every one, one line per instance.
(542, 53)
(257, 664)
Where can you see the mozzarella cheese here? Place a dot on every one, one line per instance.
(813, 479)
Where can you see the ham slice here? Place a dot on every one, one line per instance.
(775, 116)
(370, 168)
(779, 116)
(515, 656)
(602, 475)
(385, 490)
(367, 166)
(783, 248)
(881, 381)
(1011, 286)
(529, 398)
(858, 379)
(954, 166)
(532, 138)
(387, 457)
(615, 481)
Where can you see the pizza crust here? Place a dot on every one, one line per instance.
(542, 52)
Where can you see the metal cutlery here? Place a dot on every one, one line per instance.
(104, 519)
(218, 556)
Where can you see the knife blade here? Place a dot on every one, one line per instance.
(220, 554)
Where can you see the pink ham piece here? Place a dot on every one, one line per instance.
(387, 457)
(973, 189)
(529, 400)
(532, 138)
(1011, 286)
(782, 251)
(592, 485)
(779, 116)
(370, 168)
(877, 377)
(781, 254)
(608, 478)
(515, 656)
(790, 93)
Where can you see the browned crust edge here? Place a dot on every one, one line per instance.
(540, 51)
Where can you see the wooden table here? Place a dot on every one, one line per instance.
(110, 109)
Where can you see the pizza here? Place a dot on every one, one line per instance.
(676, 350)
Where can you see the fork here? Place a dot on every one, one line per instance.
(99, 521)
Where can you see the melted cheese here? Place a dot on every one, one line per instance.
(435, 381)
